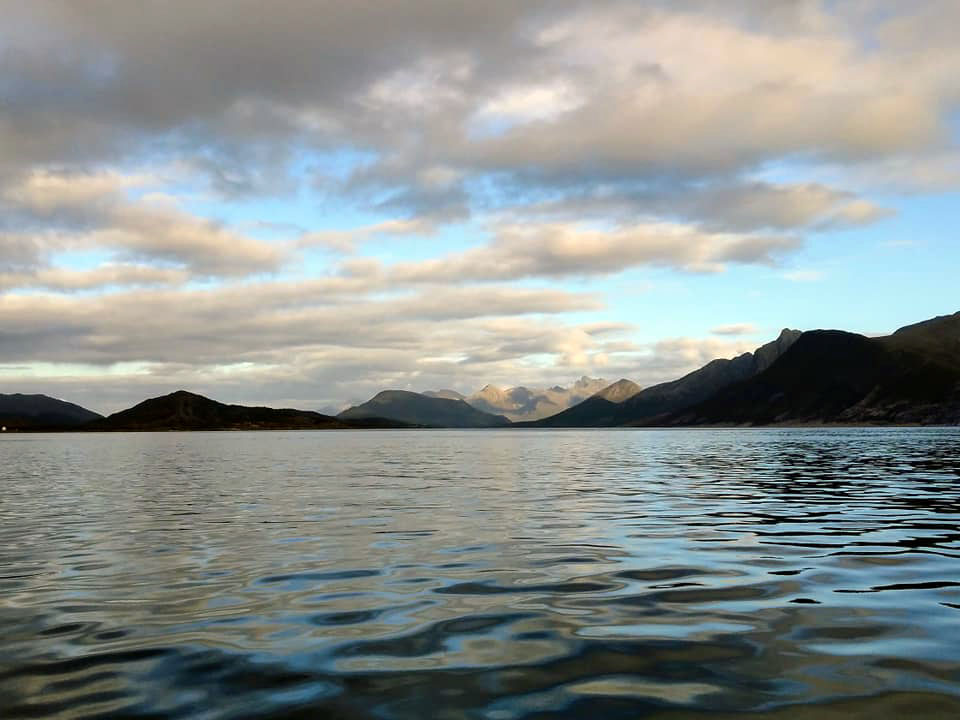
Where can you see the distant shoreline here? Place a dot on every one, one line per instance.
(778, 426)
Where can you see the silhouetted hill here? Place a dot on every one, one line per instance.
(417, 409)
(183, 410)
(829, 376)
(937, 339)
(658, 401)
(19, 411)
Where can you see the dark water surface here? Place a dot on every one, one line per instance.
(485, 574)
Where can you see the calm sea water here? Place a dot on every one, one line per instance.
(485, 574)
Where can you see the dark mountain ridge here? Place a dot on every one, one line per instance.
(19, 411)
(418, 409)
(836, 377)
(184, 410)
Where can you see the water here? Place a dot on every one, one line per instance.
(485, 574)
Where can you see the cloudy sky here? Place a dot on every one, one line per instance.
(300, 203)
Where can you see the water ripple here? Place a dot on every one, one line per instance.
(498, 575)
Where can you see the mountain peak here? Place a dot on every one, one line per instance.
(619, 391)
(491, 393)
(184, 410)
(187, 394)
(385, 395)
(765, 355)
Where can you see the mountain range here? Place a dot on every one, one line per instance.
(522, 403)
(815, 377)
(180, 410)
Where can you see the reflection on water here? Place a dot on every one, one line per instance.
(485, 574)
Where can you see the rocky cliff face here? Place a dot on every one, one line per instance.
(768, 354)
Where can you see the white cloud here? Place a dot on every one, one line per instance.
(563, 250)
(346, 241)
(530, 103)
(735, 329)
(92, 212)
(106, 275)
(804, 275)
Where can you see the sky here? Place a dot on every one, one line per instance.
(301, 203)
